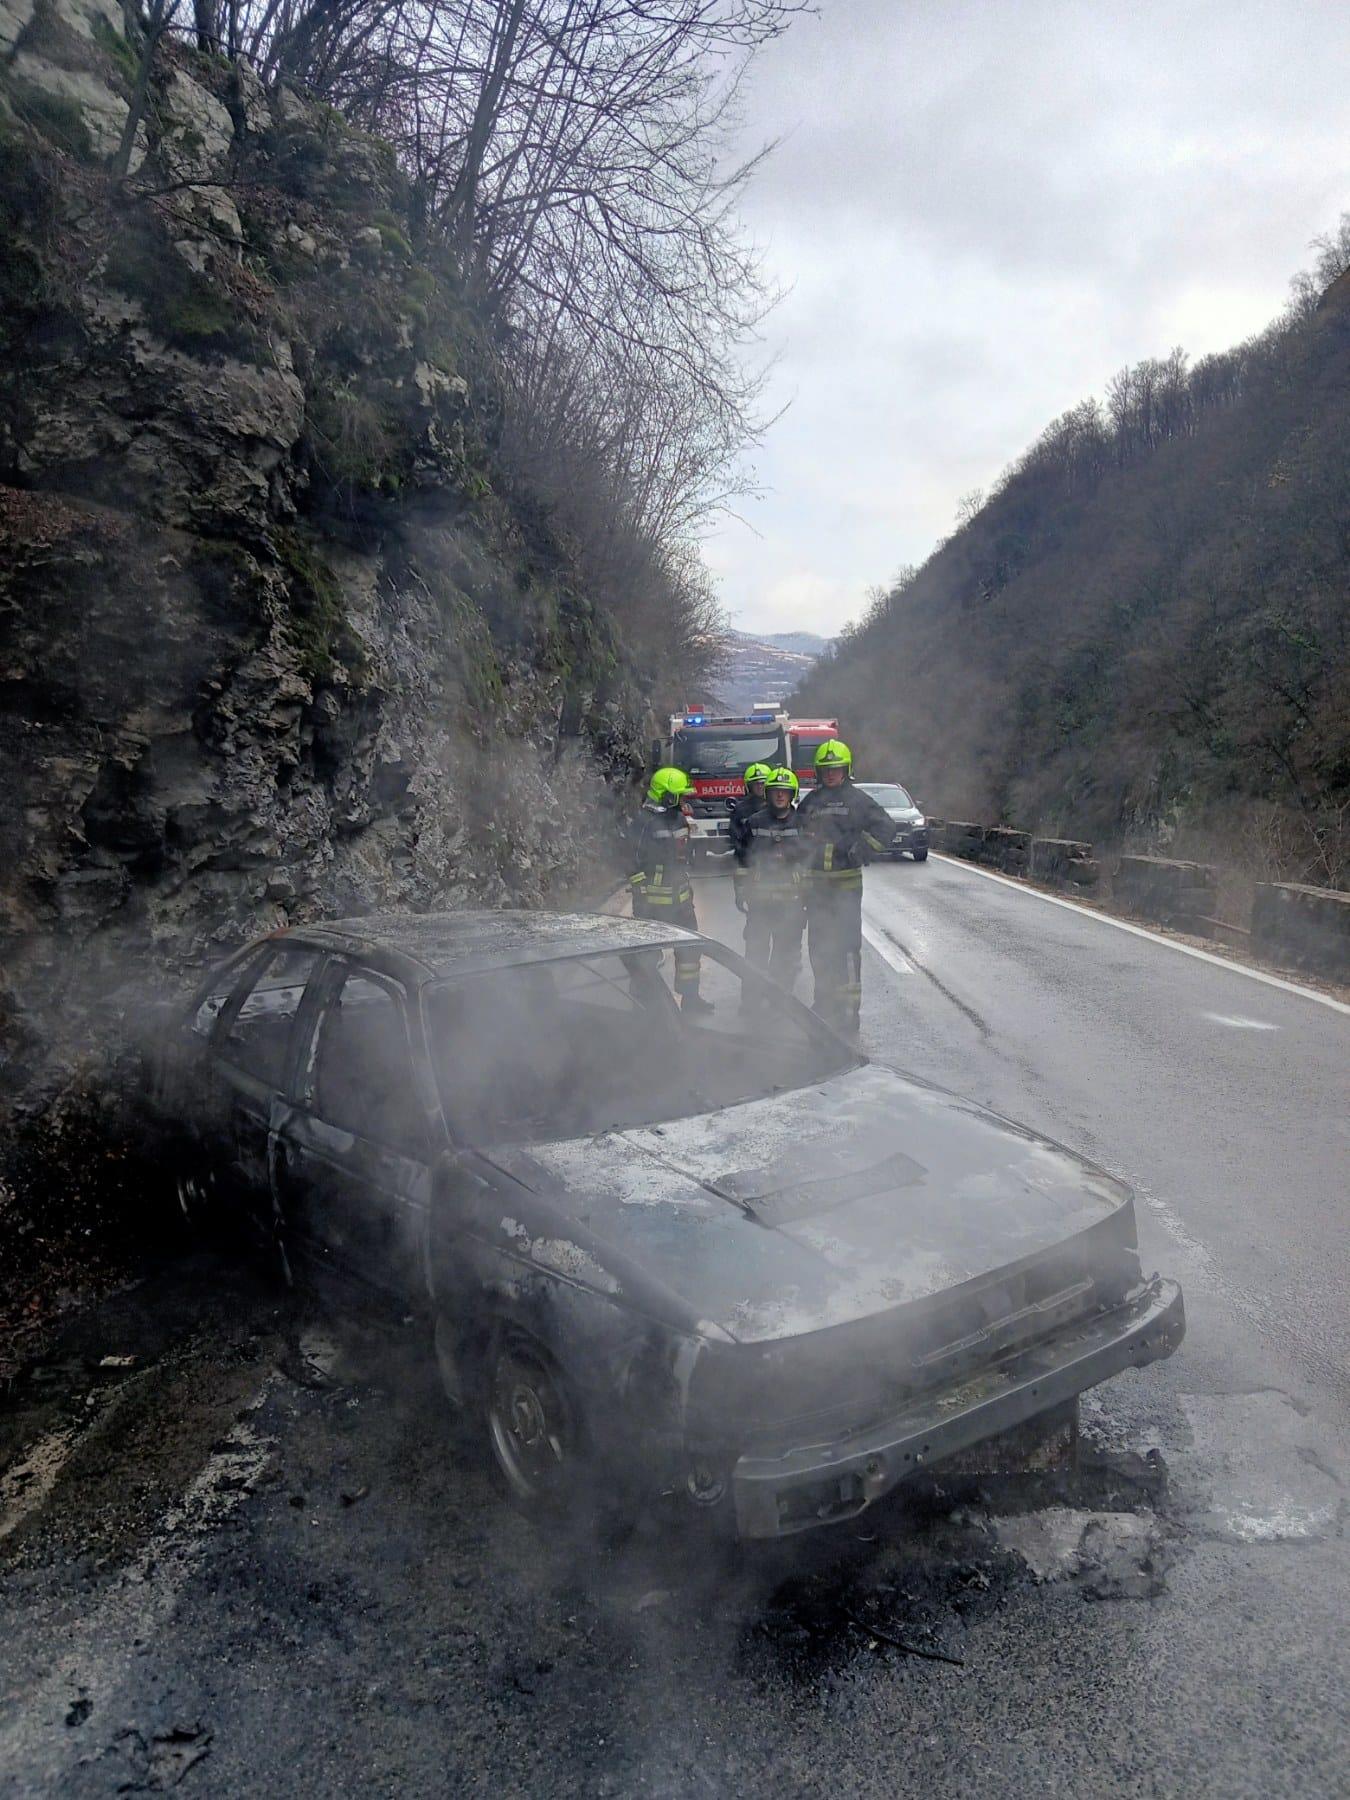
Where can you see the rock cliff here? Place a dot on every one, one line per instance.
(278, 636)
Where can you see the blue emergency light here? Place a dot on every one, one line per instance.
(695, 719)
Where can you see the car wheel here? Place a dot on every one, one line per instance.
(534, 1428)
(196, 1198)
(921, 856)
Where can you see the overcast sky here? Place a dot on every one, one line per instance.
(983, 208)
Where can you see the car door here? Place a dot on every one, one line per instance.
(253, 1039)
(353, 1148)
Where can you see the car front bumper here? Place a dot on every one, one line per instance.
(907, 838)
(816, 1484)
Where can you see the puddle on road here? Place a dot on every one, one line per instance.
(1253, 1471)
(1244, 1468)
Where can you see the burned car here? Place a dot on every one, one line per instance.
(721, 1256)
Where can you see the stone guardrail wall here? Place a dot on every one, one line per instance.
(1172, 892)
(1304, 927)
(1062, 862)
(1292, 924)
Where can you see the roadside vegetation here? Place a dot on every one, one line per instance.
(565, 168)
(1142, 632)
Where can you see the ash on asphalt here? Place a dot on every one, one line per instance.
(369, 1478)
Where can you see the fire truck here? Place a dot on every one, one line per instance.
(715, 753)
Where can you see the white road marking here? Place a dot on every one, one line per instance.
(1154, 937)
(887, 949)
(1240, 1024)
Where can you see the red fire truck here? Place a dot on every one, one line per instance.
(715, 753)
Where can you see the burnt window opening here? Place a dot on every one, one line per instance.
(363, 1075)
(259, 1037)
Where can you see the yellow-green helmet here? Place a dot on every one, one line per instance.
(757, 772)
(781, 778)
(668, 787)
(833, 754)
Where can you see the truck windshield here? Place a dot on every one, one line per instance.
(581, 1045)
(804, 747)
(725, 753)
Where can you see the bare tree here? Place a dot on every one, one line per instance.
(158, 17)
(574, 159)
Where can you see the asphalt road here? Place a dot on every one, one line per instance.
(242, 1549)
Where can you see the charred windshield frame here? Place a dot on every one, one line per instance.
(682, 1078)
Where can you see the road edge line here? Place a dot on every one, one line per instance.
(1154, 937)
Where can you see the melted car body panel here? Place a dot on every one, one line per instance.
(823, 1205)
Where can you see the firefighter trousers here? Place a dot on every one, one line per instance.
(773, 937)
(675, 909)
(834, 943)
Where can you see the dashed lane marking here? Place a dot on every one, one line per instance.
(1140, 931)
(887, 949)
(1239, 1024)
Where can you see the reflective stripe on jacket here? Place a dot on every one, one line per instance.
(841, 825)
(660, 845)
(775, 853)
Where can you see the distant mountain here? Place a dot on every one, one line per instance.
(801, 643)
(765, 668)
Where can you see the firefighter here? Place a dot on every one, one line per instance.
(660, 881)
(840, 826)
(775, 917)
(750, 802)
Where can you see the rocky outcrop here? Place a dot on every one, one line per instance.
(277, 636)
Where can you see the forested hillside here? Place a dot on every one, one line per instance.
(1144, 629)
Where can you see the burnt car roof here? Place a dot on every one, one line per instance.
(467, 942)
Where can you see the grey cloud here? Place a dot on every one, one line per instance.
(982, 209)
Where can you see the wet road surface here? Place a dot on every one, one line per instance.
(243, 1547)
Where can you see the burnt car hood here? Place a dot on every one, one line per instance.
(818, 1206)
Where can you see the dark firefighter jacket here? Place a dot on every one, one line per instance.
(774, 855)
(660, 841)
(741, 814)
(841, 825)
